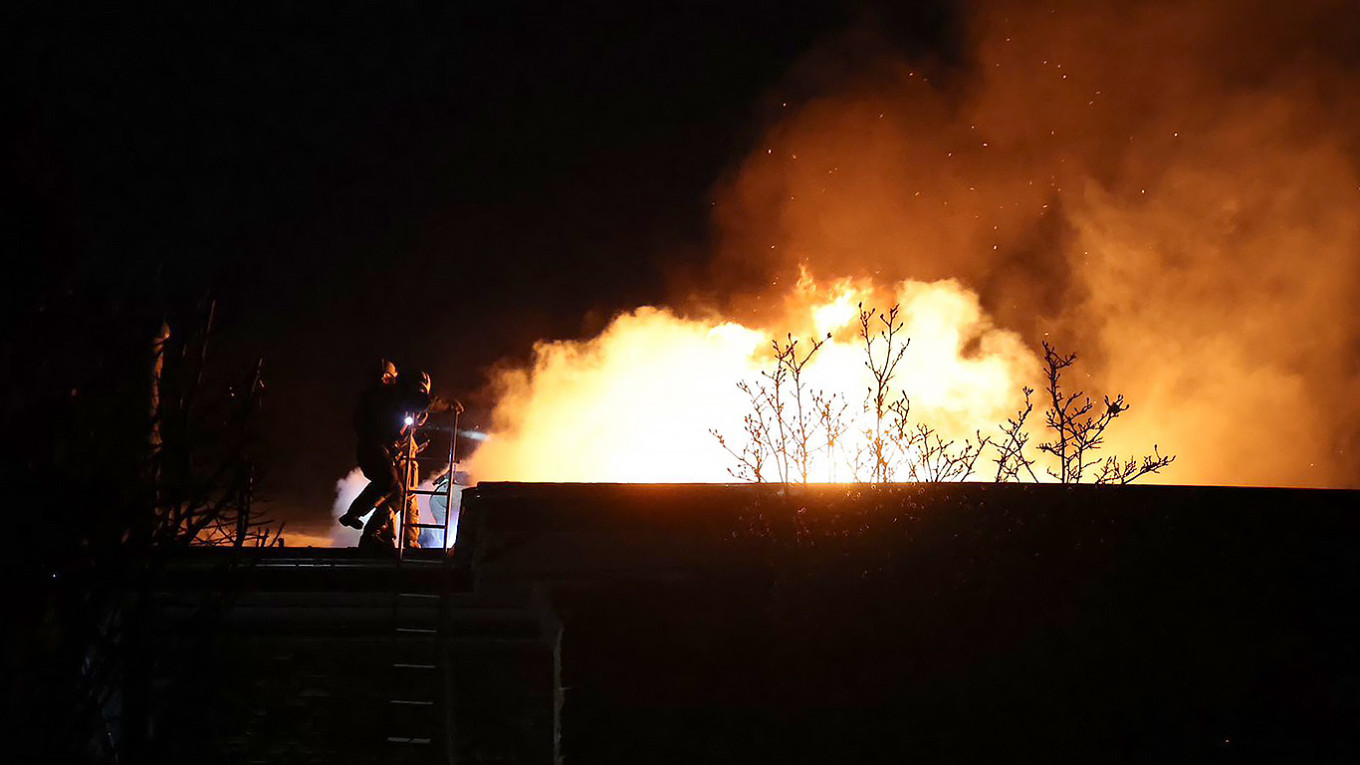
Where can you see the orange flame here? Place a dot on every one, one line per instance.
(636, 403)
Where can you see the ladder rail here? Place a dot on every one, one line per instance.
(453, 477)
(410, 489)
(402, 597)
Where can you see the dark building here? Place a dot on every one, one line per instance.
(705, 623)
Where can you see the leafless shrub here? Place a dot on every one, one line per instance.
(1130, 470)
(830, 412)
(938, 460)
(758, 446)
(1010, 451)
(883, 369)
(785, 418)
(201, 463)
(788, 423)
(919, 453)
(803, 421)
(1079, 429)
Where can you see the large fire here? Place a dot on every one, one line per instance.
(1168, 189)
(637, 402)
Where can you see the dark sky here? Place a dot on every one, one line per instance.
(441, 186)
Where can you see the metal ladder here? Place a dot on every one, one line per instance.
(418, 725)
(410, 490)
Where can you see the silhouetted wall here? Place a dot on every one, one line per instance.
(950, 622)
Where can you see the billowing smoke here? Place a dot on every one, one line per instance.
(432, 510)
(346, 489)
(1170, 189)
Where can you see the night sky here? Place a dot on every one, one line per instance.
(442, 187)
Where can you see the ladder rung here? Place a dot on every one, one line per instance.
(406, 740)
(414, 666)
(413, 703)
(428, 492)
(416, 595)
(426, 525)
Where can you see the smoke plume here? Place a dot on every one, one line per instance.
(1169, 189)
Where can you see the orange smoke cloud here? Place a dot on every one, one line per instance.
(1169, 189)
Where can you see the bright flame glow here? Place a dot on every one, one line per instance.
(636, 403)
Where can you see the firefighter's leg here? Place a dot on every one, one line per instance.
(380, 530)
(367, 499)
(377, 466)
